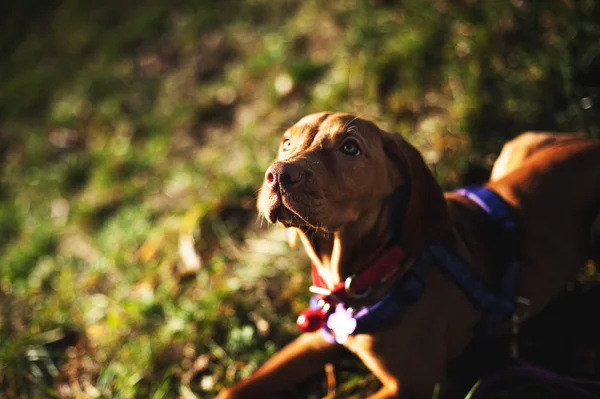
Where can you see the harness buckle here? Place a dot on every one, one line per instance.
(515, 325)
(526, 302)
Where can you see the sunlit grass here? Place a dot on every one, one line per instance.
(127, 130)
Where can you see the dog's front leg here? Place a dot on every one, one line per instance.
(400, 379)
(408, 356)
(294, 363)
(385, 392)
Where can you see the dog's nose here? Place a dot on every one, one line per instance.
(286, 175)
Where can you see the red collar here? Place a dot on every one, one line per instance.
(355, 286)
(382, 268)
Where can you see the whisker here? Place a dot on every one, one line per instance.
(349, 122)
(259, 218)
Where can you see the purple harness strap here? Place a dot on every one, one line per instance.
(500, 214)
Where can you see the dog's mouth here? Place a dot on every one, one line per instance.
(285, 210)
(286, 217)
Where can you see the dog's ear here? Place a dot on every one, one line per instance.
(426, 216)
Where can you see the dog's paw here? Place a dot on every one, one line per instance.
(232, 393)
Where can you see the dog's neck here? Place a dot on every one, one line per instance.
(350, 249)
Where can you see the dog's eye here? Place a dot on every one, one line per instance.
(286, 145)
(350, 147)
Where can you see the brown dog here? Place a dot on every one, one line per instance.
(351, 190)
(517, 151)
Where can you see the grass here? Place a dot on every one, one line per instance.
(130, 131)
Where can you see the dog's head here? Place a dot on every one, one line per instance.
(334, 169)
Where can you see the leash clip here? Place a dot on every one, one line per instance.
(357, 295)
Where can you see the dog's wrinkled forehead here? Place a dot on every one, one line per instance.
(312, 120)
(326, 126)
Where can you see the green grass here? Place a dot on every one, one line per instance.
(126, 130)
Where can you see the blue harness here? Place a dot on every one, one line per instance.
(407, 290)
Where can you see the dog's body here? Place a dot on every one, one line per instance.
(351, 189)
(518, 150)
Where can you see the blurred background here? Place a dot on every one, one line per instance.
(134, 136)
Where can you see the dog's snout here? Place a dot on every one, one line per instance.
(286, 175)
